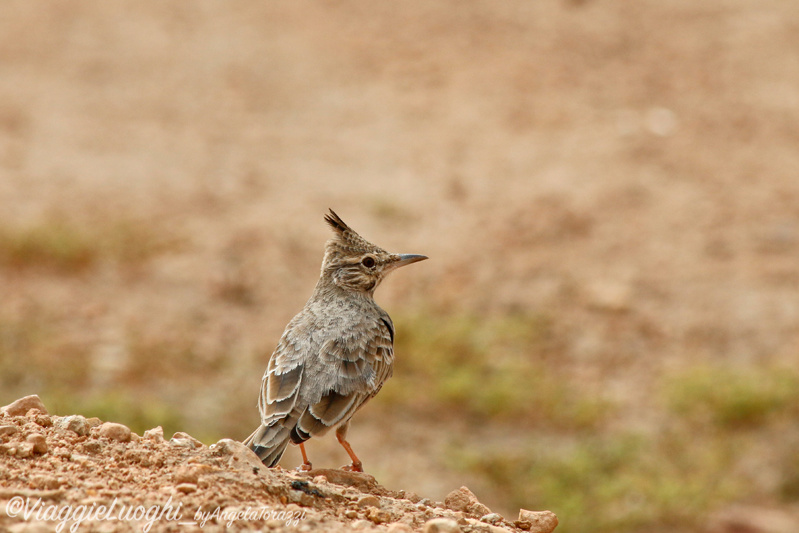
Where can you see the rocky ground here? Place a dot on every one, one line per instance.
(73, 473)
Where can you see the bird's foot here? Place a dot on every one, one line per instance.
(354, 467)
(305, 467)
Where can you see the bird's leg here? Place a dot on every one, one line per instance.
(341, 434)
(306, 464)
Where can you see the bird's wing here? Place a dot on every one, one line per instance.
(280, 386)
(353, 367)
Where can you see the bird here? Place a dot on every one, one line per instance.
(334, 355)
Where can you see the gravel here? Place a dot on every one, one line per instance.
(75, 461)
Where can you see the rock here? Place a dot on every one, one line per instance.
(38, 441)
(369, 501)
(92, 446)
(239, 456)
(185, 440)
(186, 474)
(156, 434)
(74, 423)
(399, 528)
(24, 449)
(114, 431)
(358, 480)
(186, 488)
(464, 500)
(491, 518)
(537, 521)
(412, 497)
(142, 457)
(441, 525)
(43, 420)
(23, 405)
(93, 422)
(7, 431)
(377, 516)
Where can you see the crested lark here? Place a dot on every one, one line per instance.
(334, 355)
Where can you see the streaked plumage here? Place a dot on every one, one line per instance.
(334, 355)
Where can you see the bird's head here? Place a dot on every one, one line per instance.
(353, 263)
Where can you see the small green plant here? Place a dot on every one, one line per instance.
(734, 398)
(494, 368)
(51, 245)
(610, 482)
(68, 246)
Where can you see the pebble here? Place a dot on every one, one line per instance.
(38, 441)
(186, 475)
(6, 431)
(186, 488)
(491, 518)
(537, 521)
(185, 440)
(464, 500)
(350, 513)
(412, 497)
(441, 525)
(239, 456)
(369, 501)
(156, 434)
(75, 423)
(377, 516)
(43, 420)
(23, 405)
(92, 446)
(114, 431)
(24, 449)
(141, 457)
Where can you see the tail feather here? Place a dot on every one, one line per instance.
(269, 443)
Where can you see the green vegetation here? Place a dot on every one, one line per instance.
(68, 246)
(611, 483)
(151, 378)
(665, 479)
(495, 368)
(734, 398)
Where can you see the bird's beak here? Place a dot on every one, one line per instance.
(407, 259)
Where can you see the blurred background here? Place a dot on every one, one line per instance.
(608, 192)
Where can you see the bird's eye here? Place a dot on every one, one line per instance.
(368, 262)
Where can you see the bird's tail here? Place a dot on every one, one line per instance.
(269, 443)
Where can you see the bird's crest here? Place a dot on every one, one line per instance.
(346, 240)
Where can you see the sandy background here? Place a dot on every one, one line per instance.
(628, 171)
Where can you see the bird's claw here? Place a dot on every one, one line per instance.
(354, 467)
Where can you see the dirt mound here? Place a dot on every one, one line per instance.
(73, 473)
